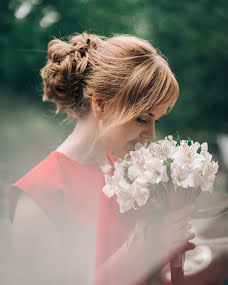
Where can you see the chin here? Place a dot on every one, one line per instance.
(127, 149)
(123, 150)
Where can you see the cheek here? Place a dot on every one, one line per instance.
(113, 140)
(119, 139)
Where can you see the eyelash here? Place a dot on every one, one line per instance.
(141, 121)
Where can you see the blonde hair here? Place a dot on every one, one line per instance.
(128, 72)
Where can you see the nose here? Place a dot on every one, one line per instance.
(149, 132)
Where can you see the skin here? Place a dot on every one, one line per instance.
(138, 130)
(119, 140)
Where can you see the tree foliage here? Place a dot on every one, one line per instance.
(191, 34)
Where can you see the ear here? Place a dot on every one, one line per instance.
(98, 106)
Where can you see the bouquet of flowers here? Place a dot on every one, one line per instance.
(154, 170)
(164, 173)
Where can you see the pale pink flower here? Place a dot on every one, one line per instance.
(149, 165)
(162, 150)
(182, 175)
(127, 194)
(205, 179)
(188, 154)
(155, 171)
(111, 185)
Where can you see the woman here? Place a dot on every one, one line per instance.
(116, 89)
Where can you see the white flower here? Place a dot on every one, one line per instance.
(136, 170)
(127, 194)
(204, 151)
(155, 171)
(182, 175)
(162, 150)
(138, 146)
(204, 147)
(139, 154)
(171, 140)
(189, 166)
(119, 167)
(205, 179)
(188, 154)
(111, 185)
(137, 163)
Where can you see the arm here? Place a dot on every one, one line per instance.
(139, 258)
(36, 248)
(127, 265)
(35, 243)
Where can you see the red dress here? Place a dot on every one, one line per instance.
(62, 186)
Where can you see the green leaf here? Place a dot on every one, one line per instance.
(178, 139)
(126, 176)
(218, 188)
(170, 160)
(189, 142)
(199, 150)
(167, 162)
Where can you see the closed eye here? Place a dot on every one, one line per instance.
(141, 121)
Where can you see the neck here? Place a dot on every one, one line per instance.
(82, 144)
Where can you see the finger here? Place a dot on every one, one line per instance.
(190, 246)
(186, 247)
(180, 240)
(178, 247)
(189, 235)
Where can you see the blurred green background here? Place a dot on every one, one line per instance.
(191, 34)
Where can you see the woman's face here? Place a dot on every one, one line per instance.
(121, 140)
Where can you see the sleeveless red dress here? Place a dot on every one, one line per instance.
(60, 185)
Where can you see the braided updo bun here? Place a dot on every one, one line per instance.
(126, 71)
(64, 74)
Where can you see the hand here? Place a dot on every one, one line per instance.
(170, 234)
(176, 232)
